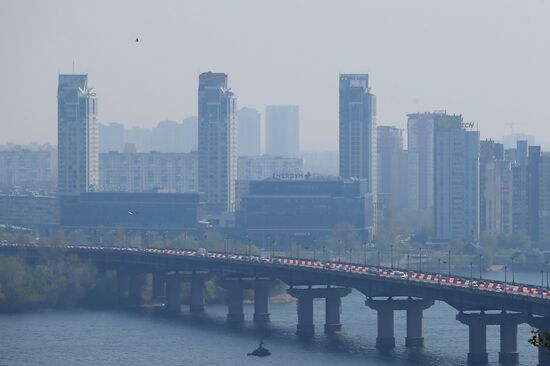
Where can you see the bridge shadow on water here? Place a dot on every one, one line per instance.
(342, 345)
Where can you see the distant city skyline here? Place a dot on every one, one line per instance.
(486, 60)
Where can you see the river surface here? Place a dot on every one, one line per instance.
(89, 337)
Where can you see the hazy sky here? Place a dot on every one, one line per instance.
(486, 59)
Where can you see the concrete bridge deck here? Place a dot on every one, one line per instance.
(386, 291)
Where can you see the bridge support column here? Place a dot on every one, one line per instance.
(385, 309)
(305, 316)
(509, 344)
(159, 286)
(137, 281)
(415, 309)
(173, 294)
(385, 338)
(235, 313)
(333, 305)
(261, 304)
(197, 294)
(477, 327)
(123, 283)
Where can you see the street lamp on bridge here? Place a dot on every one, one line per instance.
(391, 256)
(480, 266)
(420, 260)
(471, 273)
(513, 273)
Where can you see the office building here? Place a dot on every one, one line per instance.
(36, 212)
(282, 125)
(456, 179)
(165, 212)
(248, 131)
(146, 172)
(252, 168)
(217, 142)
(77, 134)
(111, 137)
(304, 210)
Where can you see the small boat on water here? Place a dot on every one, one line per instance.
(261, 351)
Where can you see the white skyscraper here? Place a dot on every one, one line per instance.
(77, 134)
(282, 130)
(217, 142)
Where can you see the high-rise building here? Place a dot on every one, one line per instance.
(111, 137)
(248, 130)
(190, 134)
(497, 195)
(544, 200)
(147, 172)
(521, 152)
(456, 179)
(217, 142)
(357, 134)
(167, 137)
(140, 138)
(282, 125)
(496, 190)
(520, 206)
(510, 141)
(26, 170)
(77, 134)
(420, 135)
(390, 148)
(533, 192)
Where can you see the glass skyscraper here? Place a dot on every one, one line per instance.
(217, 142)
(357, 133)
(77, 133)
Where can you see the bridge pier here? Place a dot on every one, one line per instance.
(158, 292)
(235, 312)
(333, 307)
(137, 282)
(385, 320)
(509, 344)
(477, 323)
(123, 283)
(261, 304)
(173, 294)
(196, 304)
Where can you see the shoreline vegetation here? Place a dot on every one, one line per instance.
(60, 281)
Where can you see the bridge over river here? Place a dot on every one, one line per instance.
(478, 303)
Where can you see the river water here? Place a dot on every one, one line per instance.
(89, 337)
